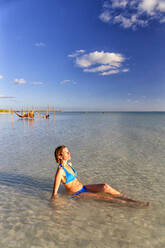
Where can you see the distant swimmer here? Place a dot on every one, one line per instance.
(68, 176)
(30, 114)
(46, 116)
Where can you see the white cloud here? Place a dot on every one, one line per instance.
(133, 13)
(99, 68)
(68, 81)
(126, 22)
(105, 16)
(105, 63)
(110, 72)
(119, 3)
(37, 83)
(23, 81)
(6, 97)
(1, 76)
(76, 53)
(105, 58)
(129, 22)
(125, 70)
(161, 6)
(148, 5)
(40, 44)
(20, 81)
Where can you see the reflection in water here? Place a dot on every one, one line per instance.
(12, 120)
(30, 122)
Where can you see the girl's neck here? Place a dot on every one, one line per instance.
(64, 162)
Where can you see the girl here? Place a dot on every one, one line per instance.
(68, 176)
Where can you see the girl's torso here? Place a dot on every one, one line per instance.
(69, 179)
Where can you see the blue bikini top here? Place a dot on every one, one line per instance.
(69, 176)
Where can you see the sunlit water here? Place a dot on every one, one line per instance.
(125, 150)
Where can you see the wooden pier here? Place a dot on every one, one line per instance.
(28, 110)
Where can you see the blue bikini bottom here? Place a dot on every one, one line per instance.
(82, 190)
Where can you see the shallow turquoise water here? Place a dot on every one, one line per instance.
(125, 150)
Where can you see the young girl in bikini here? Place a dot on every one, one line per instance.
(68, 176)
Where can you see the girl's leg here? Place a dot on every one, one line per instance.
(100, 197)
(105, 188)
(102, 188)
(109, 198)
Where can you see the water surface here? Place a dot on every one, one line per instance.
(125, 150)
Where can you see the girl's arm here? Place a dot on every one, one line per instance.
(57, 181)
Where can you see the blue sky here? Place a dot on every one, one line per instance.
(83, 54)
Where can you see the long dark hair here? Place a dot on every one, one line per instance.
(58, 152)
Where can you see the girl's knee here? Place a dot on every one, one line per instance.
(105, 187)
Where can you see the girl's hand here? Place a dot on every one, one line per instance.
(53, 197)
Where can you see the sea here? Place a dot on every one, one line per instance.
(123, 149)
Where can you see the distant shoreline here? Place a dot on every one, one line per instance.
(117, 111)
(62, 111)
(21, 111)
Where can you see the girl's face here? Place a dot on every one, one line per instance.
(65, 154)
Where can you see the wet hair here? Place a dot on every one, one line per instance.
(58, 152)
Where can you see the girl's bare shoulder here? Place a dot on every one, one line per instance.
(60, 170)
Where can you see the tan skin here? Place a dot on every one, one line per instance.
(92, 189)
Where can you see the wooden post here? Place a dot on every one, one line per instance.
(54, 112)
(28, 111)
(38, 110)
(11, 111)
(12, 119)
(33, 109)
